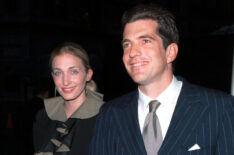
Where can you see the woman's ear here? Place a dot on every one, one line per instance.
(89, 74)
(171, 52)
(52, 74)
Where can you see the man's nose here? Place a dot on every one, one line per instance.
(134, 51)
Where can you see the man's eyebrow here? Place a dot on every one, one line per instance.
(146, 36)
(140, 37)
(124, 40)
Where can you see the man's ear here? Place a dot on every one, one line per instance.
(171, 52)
(89, 75)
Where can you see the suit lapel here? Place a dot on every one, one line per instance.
(187, 114)
(126, 119)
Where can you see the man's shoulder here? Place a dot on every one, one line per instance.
(187, 86)
(121, 101)
(124, 97)
(206, 94)
(211, 91)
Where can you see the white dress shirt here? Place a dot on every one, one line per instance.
(168, 99)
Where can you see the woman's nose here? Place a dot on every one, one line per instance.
(66, 80)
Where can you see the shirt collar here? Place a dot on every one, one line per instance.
(56, 111)
(165, 98)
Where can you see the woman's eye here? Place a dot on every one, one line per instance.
(57, 73)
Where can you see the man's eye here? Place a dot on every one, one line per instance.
(125, 45)
(74, 72)
(146, 41)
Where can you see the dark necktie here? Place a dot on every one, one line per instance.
(152, 134)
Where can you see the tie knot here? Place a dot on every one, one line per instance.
(153, 105)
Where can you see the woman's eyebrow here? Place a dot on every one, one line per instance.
(72, 67)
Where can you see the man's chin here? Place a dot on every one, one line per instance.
(138, 80)
(137, 77)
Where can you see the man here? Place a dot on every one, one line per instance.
(189, 119)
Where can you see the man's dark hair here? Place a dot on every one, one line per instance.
(167, 29)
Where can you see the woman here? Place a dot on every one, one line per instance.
(66, 123)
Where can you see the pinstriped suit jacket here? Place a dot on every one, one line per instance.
(202, 116)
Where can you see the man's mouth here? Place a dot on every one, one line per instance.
(139, 64)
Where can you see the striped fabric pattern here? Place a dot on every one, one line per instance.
(202, 117)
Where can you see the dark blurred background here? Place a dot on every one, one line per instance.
(30, 29)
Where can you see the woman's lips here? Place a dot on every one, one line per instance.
(68, 90)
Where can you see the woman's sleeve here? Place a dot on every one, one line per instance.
(39, 130)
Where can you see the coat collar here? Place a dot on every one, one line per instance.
(127, 125)
(55, 107)
(188, 112)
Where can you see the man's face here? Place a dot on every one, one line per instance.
(144, 56)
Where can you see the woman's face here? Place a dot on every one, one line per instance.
(70, 76)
